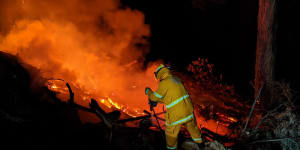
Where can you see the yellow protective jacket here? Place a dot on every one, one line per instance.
(171, 92)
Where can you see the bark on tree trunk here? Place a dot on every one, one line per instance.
(264, 67)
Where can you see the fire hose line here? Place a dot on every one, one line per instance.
(156, 119)
(161, 130)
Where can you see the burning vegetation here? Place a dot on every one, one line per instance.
(97, 46)
(87, 59)
(98, 51)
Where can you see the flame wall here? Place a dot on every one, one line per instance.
(97, 45)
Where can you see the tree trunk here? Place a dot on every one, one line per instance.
(264, 67)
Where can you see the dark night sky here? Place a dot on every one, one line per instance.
(223, 31)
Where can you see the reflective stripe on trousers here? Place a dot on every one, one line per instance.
(198, 139)
(181, 120)
(168, 147)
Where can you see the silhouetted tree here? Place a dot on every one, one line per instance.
(264, 68)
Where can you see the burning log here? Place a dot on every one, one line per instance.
(135, 118)
(109, 119)
(133, 138)
(100, 113)
(214, 136)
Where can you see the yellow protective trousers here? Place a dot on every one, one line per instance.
(172, 133)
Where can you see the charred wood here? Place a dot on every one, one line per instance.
(108, 118)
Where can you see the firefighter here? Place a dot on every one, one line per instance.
(173, 94)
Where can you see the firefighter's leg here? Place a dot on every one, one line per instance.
(171, 136)
(194, 131)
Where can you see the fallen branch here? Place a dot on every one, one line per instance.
(133, 119)
(276, 140)
(212, 135)
(100, 113)
(108, 118)
(268, 114)
(71, 99)
(252, 108)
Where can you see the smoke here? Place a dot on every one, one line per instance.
(98, 45)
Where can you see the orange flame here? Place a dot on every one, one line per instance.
(92, 45)
(108, 102)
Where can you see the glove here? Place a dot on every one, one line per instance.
(152, 104)
(147, 89)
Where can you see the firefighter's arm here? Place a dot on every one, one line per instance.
(159, 94)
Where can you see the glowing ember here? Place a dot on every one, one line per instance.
(58, 87)
(108, 102)
(133, 112)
